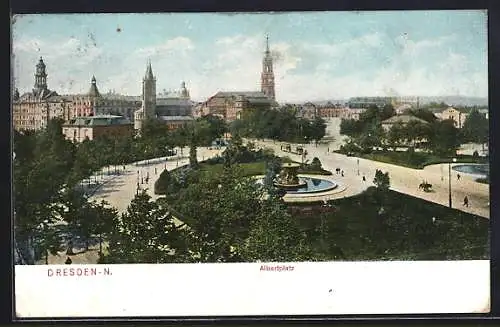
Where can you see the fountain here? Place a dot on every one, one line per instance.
(289, 181)
(288, 177)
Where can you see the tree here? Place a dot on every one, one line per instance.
(382, 180)
(41, 170)
(145, 233)
(275, 236)
(372, 136)
(443, 138)
(218, 209)
(103, 218)
(386, 112)
(396, 135)
(476, 128)
(217, 126)
(318, 129)
(350, 127)
(193, 156)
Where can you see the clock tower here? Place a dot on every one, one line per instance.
(267, 75)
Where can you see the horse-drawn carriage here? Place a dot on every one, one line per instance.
(424, 186)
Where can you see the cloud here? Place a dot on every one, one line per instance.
(371, 64)
(178, 44)
(27, 45)
(67, 60)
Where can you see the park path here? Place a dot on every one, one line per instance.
(119, 190)
(403, 179)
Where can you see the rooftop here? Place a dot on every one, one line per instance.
(248, 94)
(173, 102)
(403, 119)
(99, 120)
(176, 118)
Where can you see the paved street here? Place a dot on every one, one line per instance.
(403, 179)
(122, 189)
(119, 190)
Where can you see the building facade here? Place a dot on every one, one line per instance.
(231, 105)
(330, 110)
(33, 110)
(175, 122)
(81, 128)
(457, 116)
(366, 102)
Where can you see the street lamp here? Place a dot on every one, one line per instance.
(449, 182)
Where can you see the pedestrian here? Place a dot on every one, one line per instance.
(142, 180)
(68, 261)
(328, 150)
(155, 171)
(364, 178)
(458, 177)
(342, 173)
(466, 201)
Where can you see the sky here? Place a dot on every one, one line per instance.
(317, 55)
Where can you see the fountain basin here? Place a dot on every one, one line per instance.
(306, 185)
(480, 170)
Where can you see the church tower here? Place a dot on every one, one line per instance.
(267, 75)
(94, 91)
(149, 93)
(40, 78)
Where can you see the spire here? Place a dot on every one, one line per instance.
(41, 63)
(93, 92)
(267, 75)
(149, 71)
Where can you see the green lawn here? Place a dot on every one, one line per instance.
(256, 168)
(417, 160)
(404, 230)
(249, 169)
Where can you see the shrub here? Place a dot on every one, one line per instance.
(316, 164)
(382, 180)
(162, 183)
(350, 147)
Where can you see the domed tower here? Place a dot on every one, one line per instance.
(93, 98)
(184, 91)
(40, 78)
(267, 75)
(149, 93)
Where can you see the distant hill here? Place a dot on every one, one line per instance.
(452, 100)
(455, 100)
